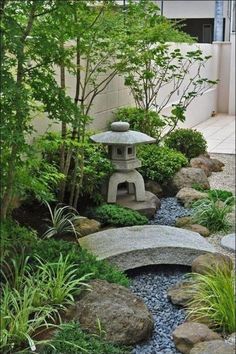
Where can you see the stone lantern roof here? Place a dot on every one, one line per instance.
(121, 135)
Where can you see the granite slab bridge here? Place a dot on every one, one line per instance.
(138, 246)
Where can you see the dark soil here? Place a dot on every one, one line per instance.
(32, 215)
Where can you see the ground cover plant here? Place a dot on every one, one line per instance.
(93, 344)
(160, 163)
(188, 141)
(212, 214)
(214, 300)
(111, 214)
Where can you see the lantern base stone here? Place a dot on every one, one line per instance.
(147, 207)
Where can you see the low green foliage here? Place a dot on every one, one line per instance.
(15, 238)
(189, 142)
(160, 163)
(62, 221)
(148, 122)
(111, 214)
(212, 214)
(70, 339)
(214, 300)
(49, 250)
(223, 195)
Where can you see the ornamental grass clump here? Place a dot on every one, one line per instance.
(62, 221)
(213, 300)
(212, 214)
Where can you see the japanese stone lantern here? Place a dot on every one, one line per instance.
(122, 148)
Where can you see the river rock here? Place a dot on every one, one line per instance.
(202, 162)
(186, 177)
(179, 294)
(184, 220)
(188, 195)
(205, 263)
(154, 188)
(202, 230)
(123, 316)
(190, 333)
(86, 226)
(213, 347)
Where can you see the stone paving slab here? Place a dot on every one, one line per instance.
(137, 246)
(229, 242)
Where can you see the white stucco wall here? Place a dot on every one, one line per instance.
(231, 109)
(219, 99)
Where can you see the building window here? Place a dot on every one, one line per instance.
(233, 16)
(207, 33)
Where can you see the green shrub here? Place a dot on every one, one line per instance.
(212, 214)
(189, 142)
(15, 238)
(70, 339)
(49, 250)
(213, 300)
(160, 163)
(148, 122)
(110, 214)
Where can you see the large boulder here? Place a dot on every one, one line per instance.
(190, 333)
(85, 226)
(186, 177)
(188, 195)
(180, 294)
(207, 262)
(207, 164)
(123, 316)
(213, 347)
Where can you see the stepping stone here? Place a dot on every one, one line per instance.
(138, 246)
(228, 241)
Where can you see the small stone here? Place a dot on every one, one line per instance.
(213, 347)
(190, 333)
(202, 230)
(185, 220)
(232, 339)
(189, 195)
(180, 294)
(205, 263)
(120, 126)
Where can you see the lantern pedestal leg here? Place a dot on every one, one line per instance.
(134, 179)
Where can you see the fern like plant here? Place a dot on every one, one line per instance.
(62, 221)
(213, 300)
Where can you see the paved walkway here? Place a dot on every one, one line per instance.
(138, 246)
(219, 131)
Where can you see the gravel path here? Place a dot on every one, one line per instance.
(224, 180)
(152, 286)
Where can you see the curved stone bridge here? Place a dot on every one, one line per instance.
(138, 246)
